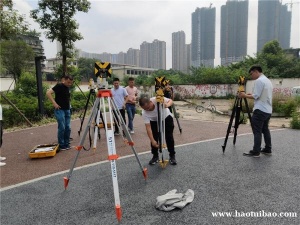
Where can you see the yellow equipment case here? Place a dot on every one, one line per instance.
(42, 151)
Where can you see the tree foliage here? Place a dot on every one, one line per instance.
(12, 23)
(16, 57)
(57, 16)
(86, 68)
(273, 59)
(72, 70)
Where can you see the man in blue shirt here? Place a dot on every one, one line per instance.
(262, 110)
(120, 96)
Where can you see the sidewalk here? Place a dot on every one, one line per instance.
(19, 167)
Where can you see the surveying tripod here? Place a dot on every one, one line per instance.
(176, 117)
(105, 95)
(174, 110)
(236, 113)
(160, 83)
(92, 93)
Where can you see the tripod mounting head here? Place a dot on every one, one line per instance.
(102, 71)
(241, 83)
(160, 84)
(92, 85)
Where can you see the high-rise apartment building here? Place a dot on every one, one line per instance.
(121, 58)
(133, 57)
(203, 37)
(153, 55)
(234, 31)
(179, 58)
(144, 54)
(188, 57)
(274, 23)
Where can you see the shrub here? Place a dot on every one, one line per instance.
(283, 104)
(295, 122)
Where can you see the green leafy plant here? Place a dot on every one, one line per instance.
(284, 105)
(295, 122)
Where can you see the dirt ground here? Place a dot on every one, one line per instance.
(188, 111)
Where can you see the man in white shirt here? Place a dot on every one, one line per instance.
(262, 110)
(150, 115)
(120, 96)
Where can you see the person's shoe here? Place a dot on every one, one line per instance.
(2, 158)
(63, 148)
(252, 154)
(117, 133)
(2, 164)
(153, 161)
(266, 152)
(131, 131)
(69, 147)
(173, 160)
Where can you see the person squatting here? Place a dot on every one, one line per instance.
(150, 115)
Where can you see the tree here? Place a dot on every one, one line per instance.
(16, 57)
(274, 61)
(12, 23)
(57, 16)
(86, 68)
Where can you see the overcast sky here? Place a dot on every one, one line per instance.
(115, 26)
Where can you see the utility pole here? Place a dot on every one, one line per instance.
(38, 69)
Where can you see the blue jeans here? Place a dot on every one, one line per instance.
(63, 118)
(130, 108)
(260, 125)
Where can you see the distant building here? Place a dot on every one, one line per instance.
(83, 54)
(133, 57)
(153, 55)
(234, 31)
(145, 49)
(179, 52)
(274, 23)
(118, 69)
(293, 52)
(132, 71)
(33, 40)
(203, 37)
(188, 57)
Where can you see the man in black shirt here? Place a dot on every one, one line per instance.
(169, 93)
(62, 112)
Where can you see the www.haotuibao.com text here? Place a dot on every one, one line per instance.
(261, 213)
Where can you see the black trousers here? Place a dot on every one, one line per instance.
(169, 128)
(122, 111)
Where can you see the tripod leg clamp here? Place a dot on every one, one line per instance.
(113, 157)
